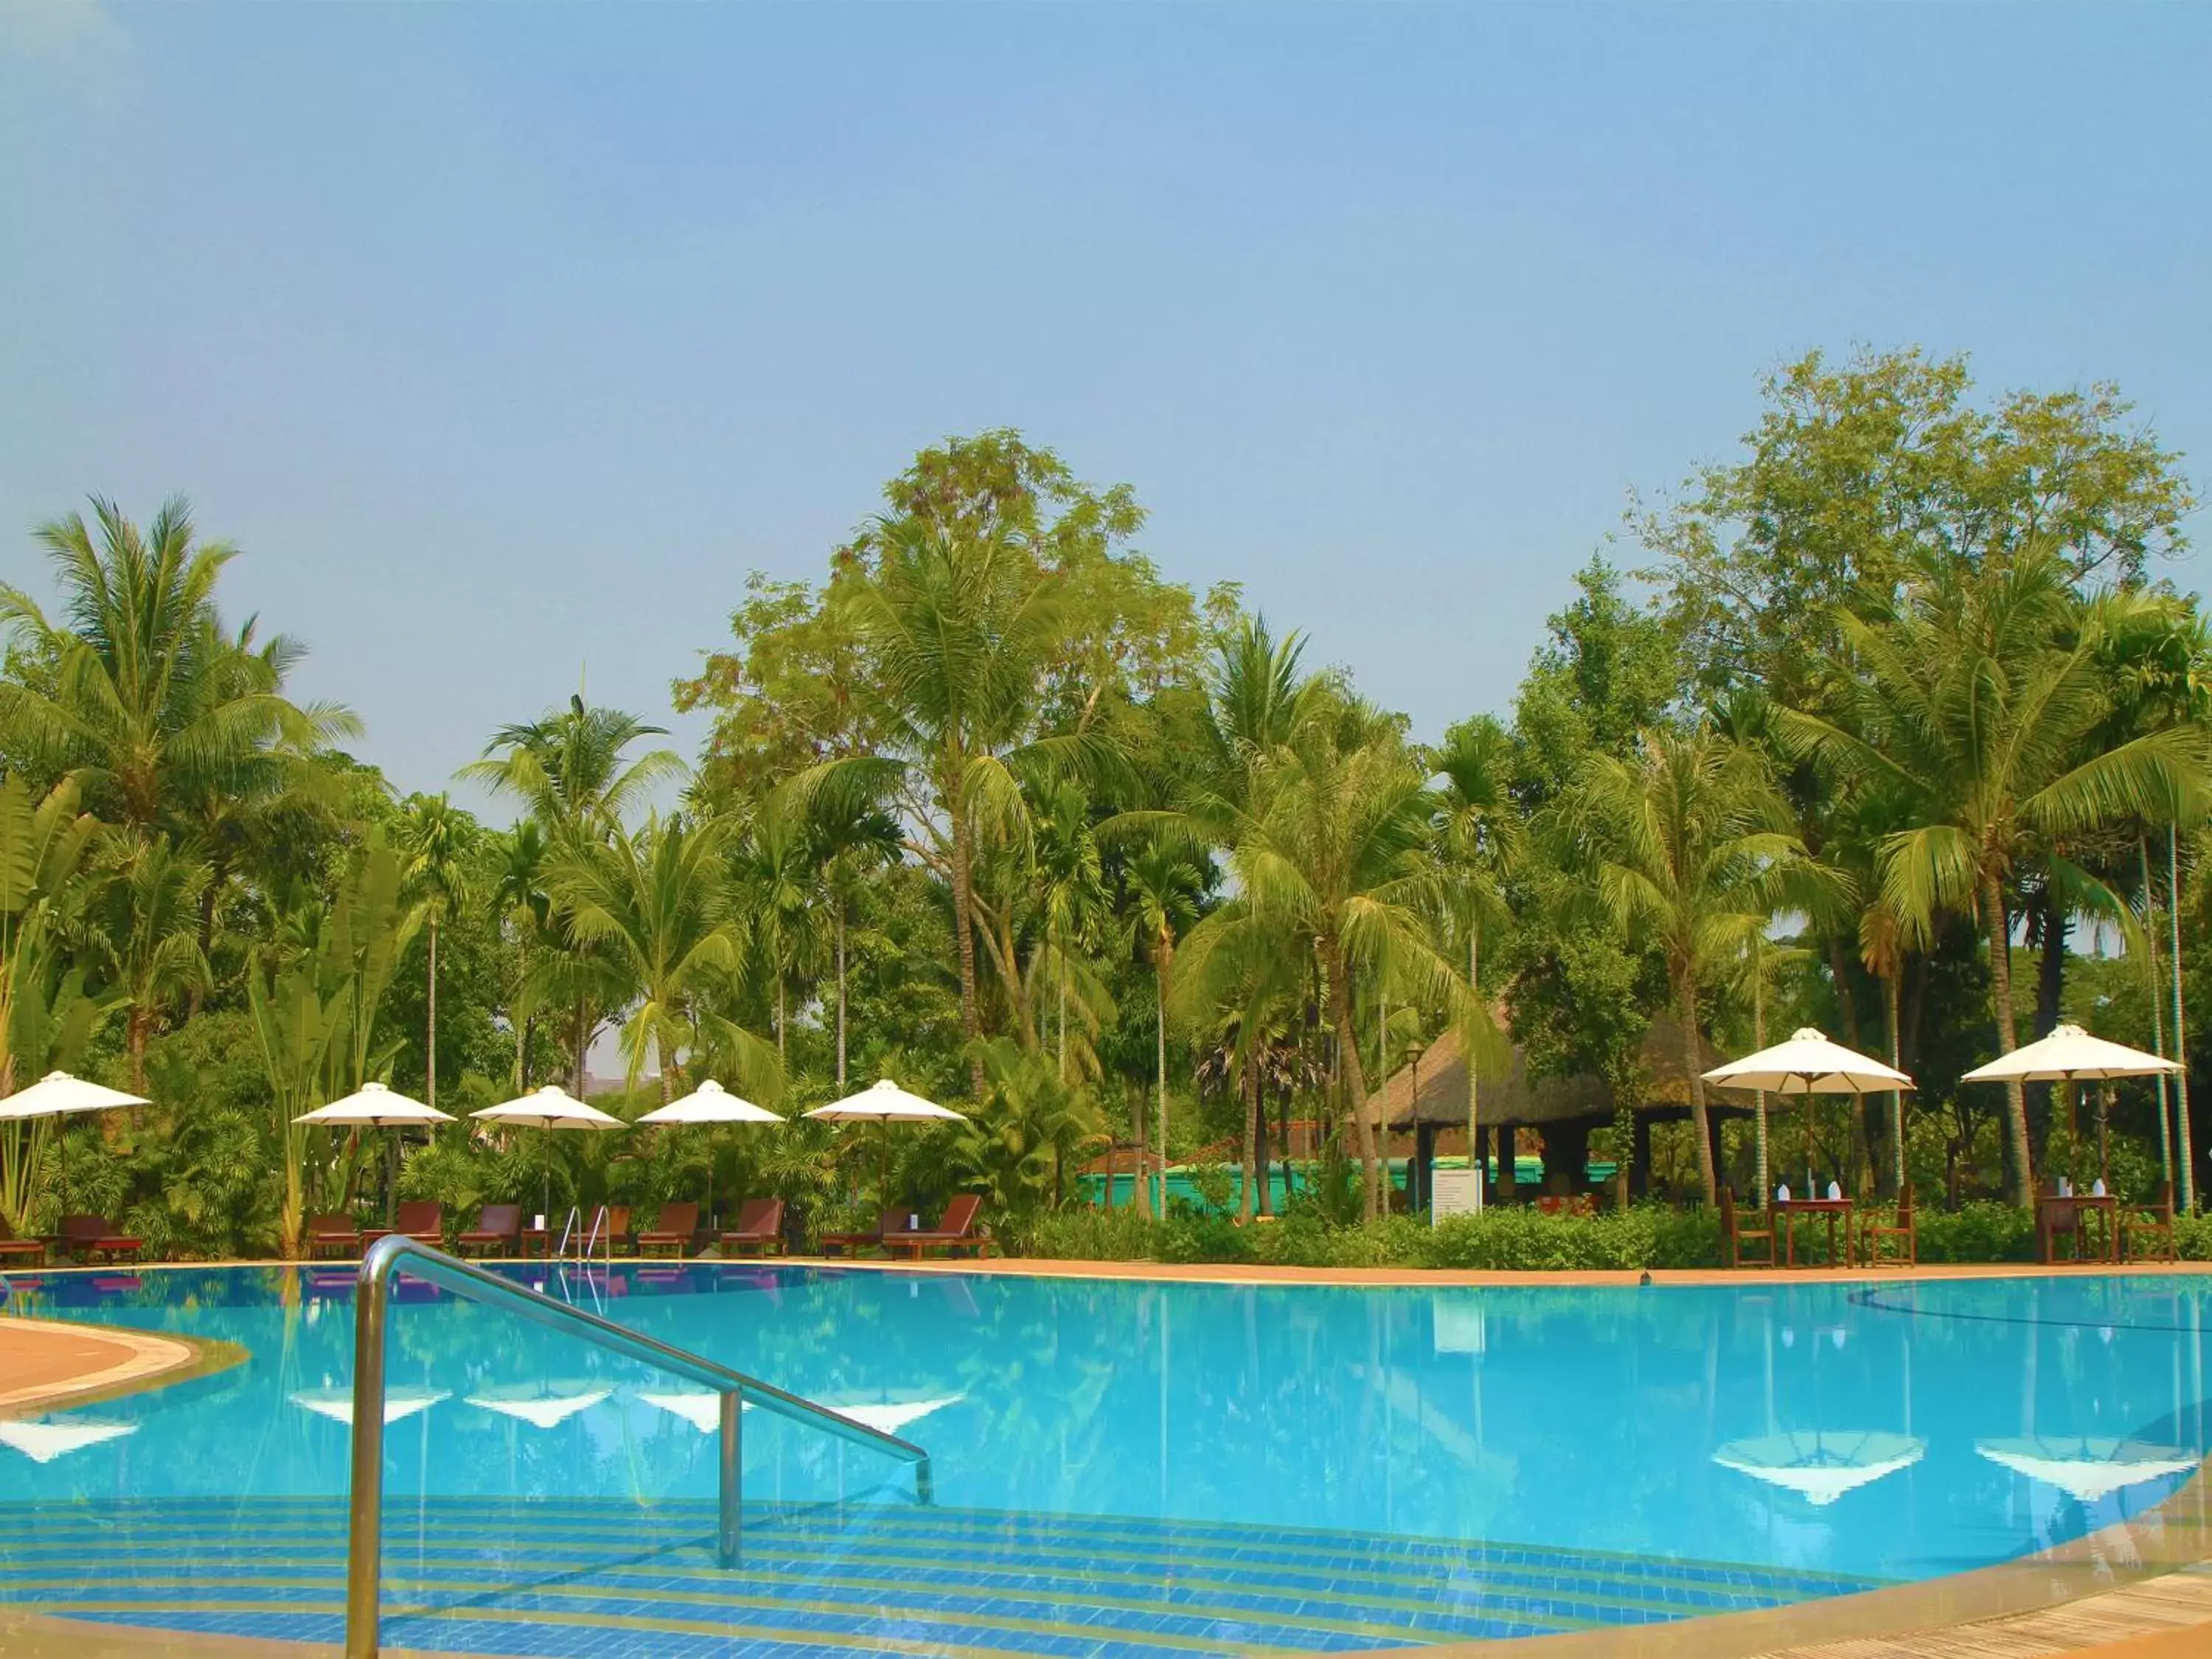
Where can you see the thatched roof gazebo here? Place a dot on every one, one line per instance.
(1428, 1097)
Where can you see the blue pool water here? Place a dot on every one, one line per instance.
(1447, 1463)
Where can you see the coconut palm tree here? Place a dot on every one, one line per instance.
(438, 845)
(151, 937)
(137, 692)
(570, 768)
(659, 901)
(1479, 839)
(960, 630)
(1163, 892)
(1332, 858)
(1689, 847)
(1972, 702)
(525, 908)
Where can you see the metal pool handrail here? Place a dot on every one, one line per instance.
(365, 1508)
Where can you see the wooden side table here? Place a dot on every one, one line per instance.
(1838, 1212)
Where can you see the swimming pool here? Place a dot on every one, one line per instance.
(1121, 1467)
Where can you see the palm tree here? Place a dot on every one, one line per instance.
(1972, 702)
(138, 693)
(567, 767)
(438, 843)
(1689, 850)
(518, 895)
(960, 630)
(1163, 893)
(1480, 839)
(152, 937)
(1332, 856)
(659, 900)
(571, 769)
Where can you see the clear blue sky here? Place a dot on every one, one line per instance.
(505, 340)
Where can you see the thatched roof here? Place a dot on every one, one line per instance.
(1512, 1097)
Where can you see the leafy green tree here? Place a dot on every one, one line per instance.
(659, 900)
(1332, 855)
(1164, 892)
(138, 693)
(1971, 702)
(441, 845)
(46, 1016)
(1690, 849)
(150, 931)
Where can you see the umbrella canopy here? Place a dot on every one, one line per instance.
(57, 1092)
(710, 1103)
(377, 1106)
(2070, 1053)
(2091, 1468)
(550, 1108)
(1809, 1064)
(1821, 1467)
(885, 1102)
(42, 1443)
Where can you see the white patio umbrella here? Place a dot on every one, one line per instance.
(2070, 1056)
(2087, 1468)
(886, 1103)
(1821, 1465)
(2067, 1055)
(53, 1095)
(377, 1107)
(1809, 1064)
(710, 1103)
(550, 1108)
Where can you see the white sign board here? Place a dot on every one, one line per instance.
(1454, 1192)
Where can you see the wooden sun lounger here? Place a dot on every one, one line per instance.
(954, 1229)
(332, 1235)
(672, 1229)
(87, 1236)
(854, 1243)
(760, 1225)
(497, 1225)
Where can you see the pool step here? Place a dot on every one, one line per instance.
(567, 1577)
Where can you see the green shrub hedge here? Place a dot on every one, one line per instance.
(1514, 1239)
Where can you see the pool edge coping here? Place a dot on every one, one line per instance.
(153, 1360)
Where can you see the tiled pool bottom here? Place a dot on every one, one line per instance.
(492, 1576)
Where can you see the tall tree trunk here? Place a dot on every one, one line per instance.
(141, 1020)
(1259, 1158)
(1692, 1056)
(1354, 1074)
(1759, 1098)
(2049, 989)
(580, 1040)
(1839, 970)
(1249, 1086)
(1142, 1191)
(2157, 1011)
(1892, 992)
(1474, 1087)
(964, 924)
(840, 995)
(2020, 1174)
(430, 1066)
(779, 1050)
(1160, 1034)
(2184, 1154)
